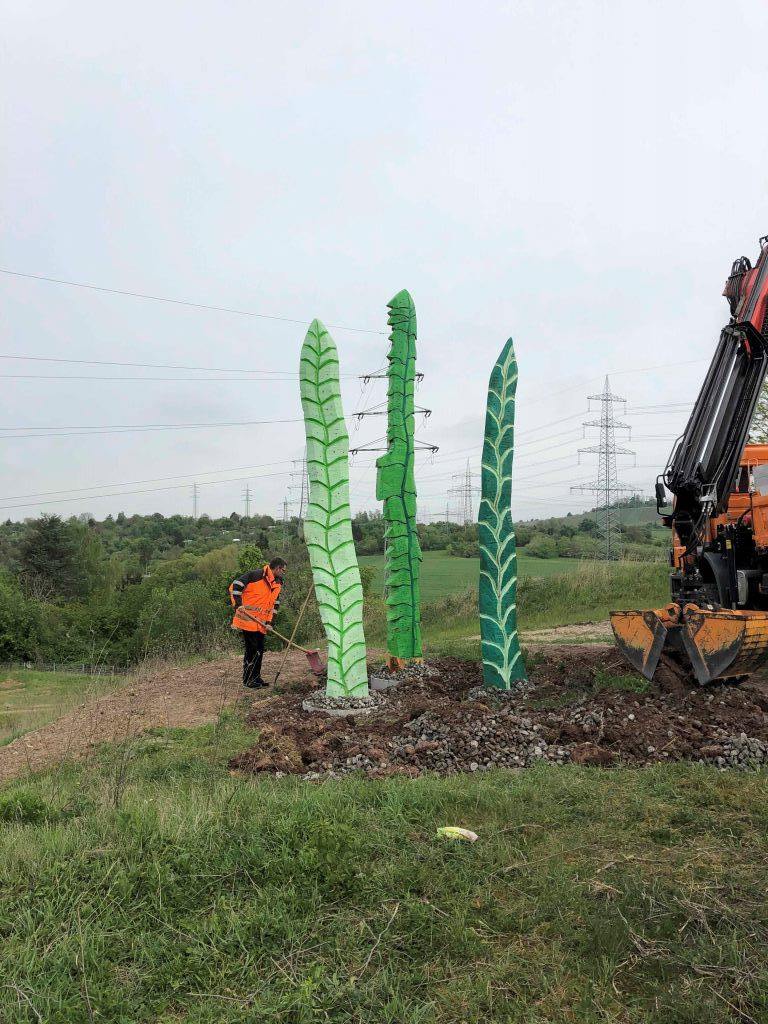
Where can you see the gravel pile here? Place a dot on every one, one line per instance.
(495, 697)
(742, 752)
(462, 744)
(500, 740)
(413, 673)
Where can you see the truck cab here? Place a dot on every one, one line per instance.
(744, 527)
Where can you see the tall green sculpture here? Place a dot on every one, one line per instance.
(502, 659)
(396, 487)
(328, 526)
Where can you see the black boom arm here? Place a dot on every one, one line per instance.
(702, 467)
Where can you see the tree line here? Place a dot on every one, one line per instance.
(127, 587)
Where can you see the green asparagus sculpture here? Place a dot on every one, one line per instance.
(328, 526)
(396, 487)
(502, 659)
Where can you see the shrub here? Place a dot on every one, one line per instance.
(542, 546)
(23, 808)
(464, 549)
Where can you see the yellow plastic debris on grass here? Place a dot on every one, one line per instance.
(452, 832)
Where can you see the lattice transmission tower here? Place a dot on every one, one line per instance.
(286, 504)
(460, 497)
(607, 487)
(299, 485)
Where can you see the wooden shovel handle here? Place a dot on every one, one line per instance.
(273, 630)
(293, 634)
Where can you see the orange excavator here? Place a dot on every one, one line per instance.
(717, 620)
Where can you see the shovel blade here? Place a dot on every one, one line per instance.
(313, 660)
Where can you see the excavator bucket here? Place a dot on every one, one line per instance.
(719, 644)
(641, 636)
(723, 644)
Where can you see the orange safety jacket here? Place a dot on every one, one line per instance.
(257, 594)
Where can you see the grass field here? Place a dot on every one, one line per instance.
(587, 592)
(443, 574)
(29, 699)
(150, 885)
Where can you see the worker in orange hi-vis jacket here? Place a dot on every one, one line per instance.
(256, 598)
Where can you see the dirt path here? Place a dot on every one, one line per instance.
(581, 633)
(153, 698)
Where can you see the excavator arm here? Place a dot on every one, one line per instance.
(704, 462)
(718, 639)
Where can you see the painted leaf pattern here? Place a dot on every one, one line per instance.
(396, 486)
(328, 525)
(502, 659)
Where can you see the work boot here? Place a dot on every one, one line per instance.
(255, 684)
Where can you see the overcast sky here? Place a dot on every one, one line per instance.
(579, 176)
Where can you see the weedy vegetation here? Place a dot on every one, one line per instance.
(591, 895)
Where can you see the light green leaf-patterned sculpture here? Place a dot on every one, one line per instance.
(328, 526)
(502, 659)
(396, 487)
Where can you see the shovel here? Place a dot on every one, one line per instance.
(313, 657)
(293, 634)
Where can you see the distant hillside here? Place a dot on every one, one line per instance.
(629, 515)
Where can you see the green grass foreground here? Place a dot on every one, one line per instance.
(152, 886)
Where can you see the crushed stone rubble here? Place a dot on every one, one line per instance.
(502, 740)
(440, 719)
(741, 752)
(409, 673)
(495, 696)
(320, 702)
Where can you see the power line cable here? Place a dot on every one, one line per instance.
(147, 480)
(155, 366)
(145, 490)
(135, 428)
(552, 423)
(181, 302)
(145, 380)
(617, 373)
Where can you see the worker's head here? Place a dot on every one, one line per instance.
(278, 567)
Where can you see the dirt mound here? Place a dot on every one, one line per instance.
(582, 704)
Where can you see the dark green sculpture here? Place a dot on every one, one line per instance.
(502, 659)
(396, 487)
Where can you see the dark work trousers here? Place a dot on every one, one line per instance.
(254, 652)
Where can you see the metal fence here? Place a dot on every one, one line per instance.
(78, 667)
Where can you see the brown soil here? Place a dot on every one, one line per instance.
(152, 698)
(582, 705)
(438, 719)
